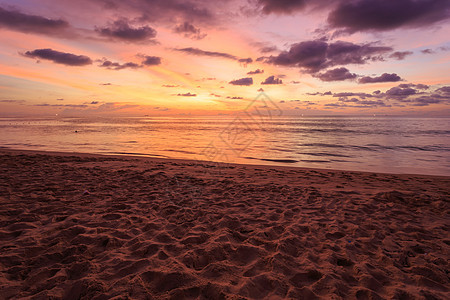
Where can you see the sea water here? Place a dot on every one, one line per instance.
(375, 144)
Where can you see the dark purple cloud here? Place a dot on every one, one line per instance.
(272, 80)
(257, 71)
(337, 74)
(400, 55)
(310, 55)
(63, 58)
(425, 101)
(121, 30)
(235, 98)
(316, 55)
(118, 66)
(407, 94)
(281, 6)
(189, 31)
(151, 60)
(200, 52)
(187, 95)
(445, 90)
(380, 15)
(149, 11)
(385, 77)
(196, 51)
(243, 81)
(245, 60)
(351, 94)
(412, 85)
(18, 21)
(400, 92)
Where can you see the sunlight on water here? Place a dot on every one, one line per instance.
(392, 145)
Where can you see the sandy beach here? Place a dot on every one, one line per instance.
(81, 226)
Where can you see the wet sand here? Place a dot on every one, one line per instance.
(81, 226)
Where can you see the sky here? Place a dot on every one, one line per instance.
(197, 57)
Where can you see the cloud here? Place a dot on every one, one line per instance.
(257, 71)
(427, 51)
(351, 94)
(316, 55)
(445, 90)
(425, 101)
(400, 55)
(121, 30)
(118, 66)
(412, 85)
(400, 92)
(12, 101)
(146, 61)
(272, 80)
(196, 51)
(165, 10)
(235, 98)
(189, 31)
(187, 95)
(385, 77)
(103, 108)
(18, 21)
(200, 52)
(63, 58)
(337, 74)
(406, 94)
(381, 15)
(243, 81)
(268, 49)
(245, 61)
(355, 103)
(61, 105)
(151, 60)
(320, 94)
(284, 6)
(170, 85)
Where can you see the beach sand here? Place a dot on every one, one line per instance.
(79, 226)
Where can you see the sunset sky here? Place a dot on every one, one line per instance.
(173, 57)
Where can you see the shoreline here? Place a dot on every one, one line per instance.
(89, 226)
(193, 161)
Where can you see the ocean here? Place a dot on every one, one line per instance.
(374, 144)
